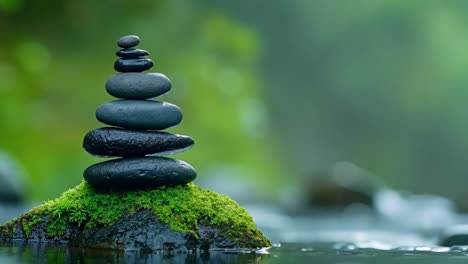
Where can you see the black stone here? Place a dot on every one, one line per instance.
(139, 114)
(138, 85)
(335, 190)
(133, 65)
(129, 41)
(131, 143)
(143, 173)
(132, 53)
(454, 236)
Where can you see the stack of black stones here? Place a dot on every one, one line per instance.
(135, 137)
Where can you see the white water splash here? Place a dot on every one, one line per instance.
(419, 212)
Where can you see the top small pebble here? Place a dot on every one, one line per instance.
(129, 41)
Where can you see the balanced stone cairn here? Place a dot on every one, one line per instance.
(136, 137)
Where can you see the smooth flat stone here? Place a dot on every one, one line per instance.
(131, 53)
(139, 114)
(133, 65)
(137, 85)
(143, 173)
(118, 142)
(129, 41)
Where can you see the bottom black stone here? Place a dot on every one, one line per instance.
(143, 173)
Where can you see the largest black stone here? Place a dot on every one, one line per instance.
(118, 142)
(144, 173)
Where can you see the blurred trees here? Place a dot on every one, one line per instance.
(383, 84)
(55, 57)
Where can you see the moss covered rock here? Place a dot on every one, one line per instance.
(177, 218)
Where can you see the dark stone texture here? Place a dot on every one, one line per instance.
(131, 53)
(138, 85)
(143, 173)
(129, 41)
(141, 231)
(454, 236)
(133, 143)
(133, 65)
(139, 114)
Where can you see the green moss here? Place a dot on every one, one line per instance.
(29, 222)
(182, 207)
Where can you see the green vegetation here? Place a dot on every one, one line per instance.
(182, 207)
(382, 84)
(53, 79)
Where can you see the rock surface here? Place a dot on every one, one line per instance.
(454, 236)
(131, 53)
(137, 118)
(116, 142)
(129, 41)
(138, 85)
(139, 114)
(139, 231)
(143, 173)
(341, 185)
(133, 65)
(171, 219)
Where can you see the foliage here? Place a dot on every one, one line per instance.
(60, 55)
(381, 84)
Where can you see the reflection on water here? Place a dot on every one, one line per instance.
(300, 253)
(42, 253)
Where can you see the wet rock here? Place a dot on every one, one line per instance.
(139, 114)
(133, 65)
(131, 53)
(141, 231)
(138, 85)
(143, 173)
(137, 117)
(175, 219)
(129, 41)
(344, 184)
(454, 236)
(116, 142)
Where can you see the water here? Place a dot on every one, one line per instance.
(357, 234)
(41, 253)
(301, 253)
(350, 253)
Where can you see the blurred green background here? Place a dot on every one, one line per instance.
(276, 91)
